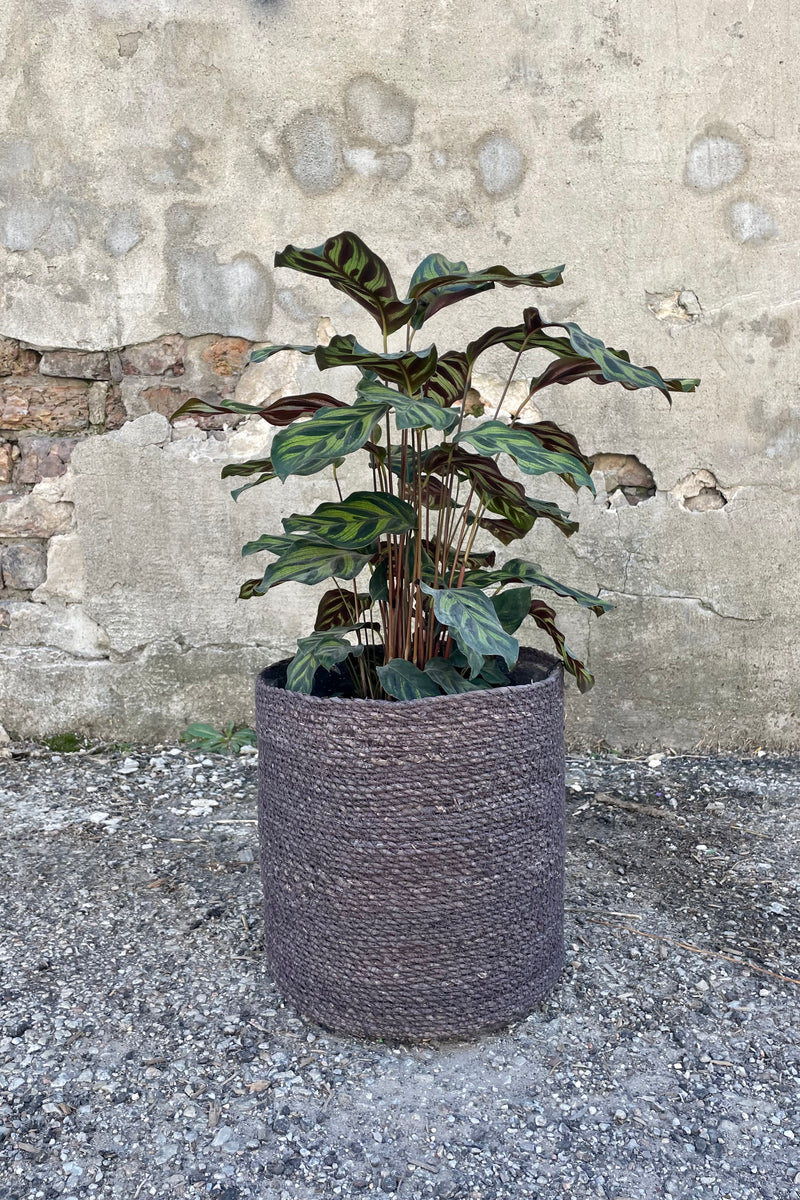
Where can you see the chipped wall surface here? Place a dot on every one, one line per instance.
(154, 155)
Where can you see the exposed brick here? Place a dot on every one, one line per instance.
(43, 405)
(33, 516)
(162, 357)
(115, 409)
(622, 470)
(706, 500)
(42, 458)
(228, 356)
(23, 565)
(6, 462)
(167, 400)
(75, 364)
(96, 398)
(15, 359)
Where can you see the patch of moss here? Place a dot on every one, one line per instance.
(65, 743)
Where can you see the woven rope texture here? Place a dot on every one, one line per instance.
(412, 854)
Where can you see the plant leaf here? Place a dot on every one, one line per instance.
(404, 681)
(337, 608)
(409, 369)
(616, 366)
(307, 562)
(553, 437)
(255, 466)
(379, 582)
(410, 413)
(495, 672)
(443, 673)
(512, 607)
(448, 383)
(356, 522)
(268, 541)
(288, 408)
(266, 352)
(195, 406)
(306, 448)
(516, 570)
(525, 336)
(349, 265)
(438, 282)
(500, 495)
(202, 733)
(320, 649)
(545, 618)
(473, 623)
(266, 478)
(494, 437)
(505, 530)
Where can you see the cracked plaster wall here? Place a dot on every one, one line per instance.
(152, 158)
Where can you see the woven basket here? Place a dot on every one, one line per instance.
(412, 854)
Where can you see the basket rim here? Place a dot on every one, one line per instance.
(555, 673)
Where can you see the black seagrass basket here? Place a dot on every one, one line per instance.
(412, 853)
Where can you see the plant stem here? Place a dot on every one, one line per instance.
(508, 384)
(418, 557)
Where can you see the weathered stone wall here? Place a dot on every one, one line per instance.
(152, 158)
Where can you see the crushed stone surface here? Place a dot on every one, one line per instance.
(144, 1051)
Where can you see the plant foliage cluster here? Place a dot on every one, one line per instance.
(415, 609)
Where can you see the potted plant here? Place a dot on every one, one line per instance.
(411, 755)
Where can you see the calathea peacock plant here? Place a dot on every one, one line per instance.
(414, 609)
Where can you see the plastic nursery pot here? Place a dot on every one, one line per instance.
(412, 853)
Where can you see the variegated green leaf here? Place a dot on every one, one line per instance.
(501, 495)
(339, 607)
(379, 582)
(493, 673)
(494, 437)
(545, 618)
(512, 607)
(410, 412)
(356, 522)
(516, 570)
(449, 382)
(266, 352)
(437, 282)
(197, 407)
(320, 649)
(504, 529)
(473, 624)
(270, 542)
(525, 336)
(288, 409)
(553, 437)
(309, 562)
(262, 467)
(256, 466)
(349, 265)
(409, 369)
(267, 477)
(402, 680)
(616, 366)
(451, 681)
(306, 448)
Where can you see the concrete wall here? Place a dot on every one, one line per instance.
(153, 156)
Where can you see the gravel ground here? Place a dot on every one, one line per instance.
(144, 1051)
